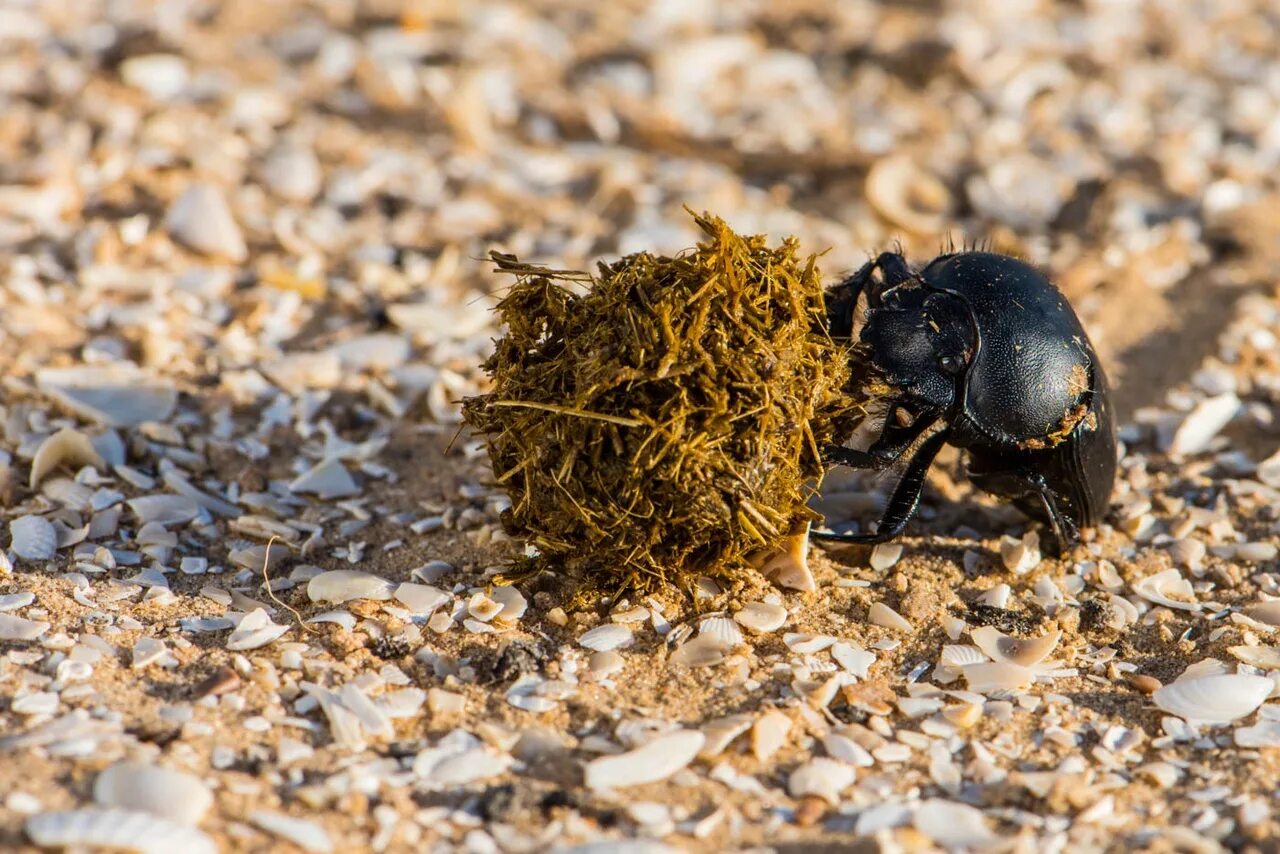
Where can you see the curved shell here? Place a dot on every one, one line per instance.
(1216, 699)
(67, 447)
(1027, 652)
(160, 791)
(116, 828)
(907, 196)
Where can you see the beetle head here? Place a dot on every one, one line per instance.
(921, 340)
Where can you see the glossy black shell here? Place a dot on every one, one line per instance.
(1034, 372)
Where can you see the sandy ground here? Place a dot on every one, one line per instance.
(251, 234)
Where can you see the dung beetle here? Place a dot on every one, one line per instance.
(985, 349)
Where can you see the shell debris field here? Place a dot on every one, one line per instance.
(669, 421)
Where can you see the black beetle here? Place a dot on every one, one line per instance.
(986, 348)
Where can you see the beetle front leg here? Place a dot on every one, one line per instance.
(905, 499)
(894, 441)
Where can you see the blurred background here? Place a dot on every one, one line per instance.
(361, 152)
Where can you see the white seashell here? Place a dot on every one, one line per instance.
(1262, 734)
(67, 448)
(853, 659)
(1264, 657)
(847, 750)
(328, 479)
(822, 778)
(148, 651)
(655, 761)
(996, 597)
(114, 395)
(307, 835)
(380, 351)
(33, 538)
(421, 599)
(722, 630)
(164, 509)
(881, 614)
(14, 601)
(344, 585)
(293, 173)
(702, 651)
(721, 732)
(201, 219)
(1202, 424)
(16, 628)
(789, 565)
(961, 655)
(479, 763)
(885, 555)
(116, 829)
(907, 196)
(1020, 556)
(604, 664)
(512, 601)
(162, 76)
(1025, 652)
(255, 630)
(1269, 471)
(605, 637)
(1216, 699)
(761, 617)
(1168, 588)
(953, 826)
(769, 734)
(806, 643)
(342, 618)
(149, 788)
(483, 608)
(995, 676)
(1265, 612)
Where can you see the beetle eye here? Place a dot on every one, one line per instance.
(951, 364)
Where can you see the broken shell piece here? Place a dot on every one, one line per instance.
(33, 538)
(255, 630)
(721, 732)
(882, 615)
(13, 628)
(1027, 652)
(789, 565)
(161, 791)
(201, 219)
(761, 617)
(1202, 424)
(483, 608)
(1020, 556)
(822, 778)
(343, 585)
(67, 448)
(853, 659)
(998, 676)
(702, 651)
(885, 555)
(954, 826)
(769, 734)
(512, 601)
(908, 196)
(421, 599)
(1216, 699)
(655, 761)
(1264, 657)
(1265, 612)
(116, 829)
(1168, 588)
(328, 479)
(115, 395)
(605, 637)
